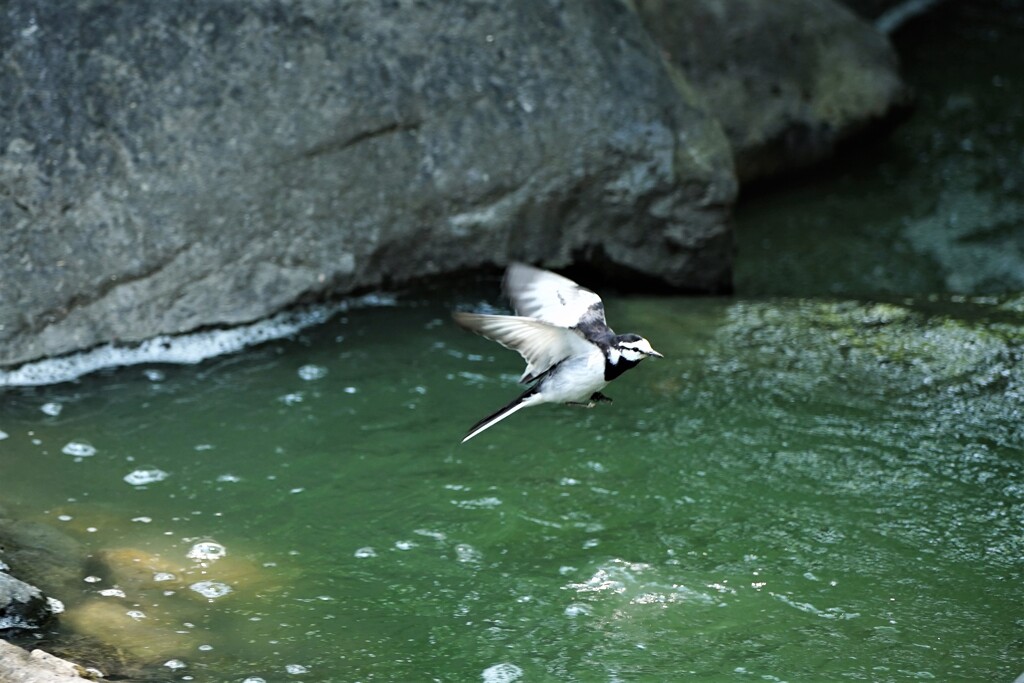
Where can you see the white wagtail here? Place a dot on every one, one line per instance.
(560, 331)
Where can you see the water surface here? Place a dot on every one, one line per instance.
(800, 490)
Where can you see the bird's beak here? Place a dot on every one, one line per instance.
(654, 353)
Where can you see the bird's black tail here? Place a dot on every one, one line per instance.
(520, 401)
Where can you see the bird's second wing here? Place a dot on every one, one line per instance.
(551, 298)
(541, 344)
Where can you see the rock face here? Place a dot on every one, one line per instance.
(788, 79)
(22, 607)
(165, 167)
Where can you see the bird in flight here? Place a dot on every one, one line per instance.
(560, 331)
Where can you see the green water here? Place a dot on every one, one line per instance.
(799, 491)
(824, 485)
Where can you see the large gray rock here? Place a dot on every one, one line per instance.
(170, 166)
(788, 79)
(21, 666)
(23, 607)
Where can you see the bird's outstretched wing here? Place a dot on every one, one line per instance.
(542, 345)
(551, 298)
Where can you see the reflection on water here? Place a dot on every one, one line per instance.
(800, 490)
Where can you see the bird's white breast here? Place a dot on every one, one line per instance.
(576, 378)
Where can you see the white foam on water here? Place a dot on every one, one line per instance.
(478, 503)
(78, 449)
(312, 372)
(183, 349)
(207, 550)
(211, 589)
(52, 409)
(143, 477)
(504, 672)
(464, 552)
(578, 609)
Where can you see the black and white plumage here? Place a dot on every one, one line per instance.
(560, 331)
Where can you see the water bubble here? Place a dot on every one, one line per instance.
(405, 545)
(143, 520)
(312, 372)
(143, 477)
(436, 535)
(464, 552)
(366, 552)
(254, 679)
(211, 589)
(92, 579)
(207, 550)
(78, 449)
(52, 409)
(135, 614)
(296, 669)
(502, 673)
(578, 609)
(478, 503)
(164, 576)
(55, 605)
(205, 648)
(291, 399)
(154, 375)
(112, 593)
(175, 664)
(3, 435)
(65, 518)
(350, 390)
(231, 478)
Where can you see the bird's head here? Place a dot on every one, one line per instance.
(634, 348)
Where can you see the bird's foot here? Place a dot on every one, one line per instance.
(598, 397)
(581, 404)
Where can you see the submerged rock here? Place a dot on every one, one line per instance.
(168, 170)
(41, 555)
(118, 625)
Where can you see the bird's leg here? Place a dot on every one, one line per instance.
(581, 404)
(598, 397)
